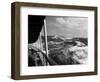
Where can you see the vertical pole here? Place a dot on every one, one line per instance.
(45, 33)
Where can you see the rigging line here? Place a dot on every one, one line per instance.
(41, 48)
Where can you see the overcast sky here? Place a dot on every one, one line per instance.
(67, 26)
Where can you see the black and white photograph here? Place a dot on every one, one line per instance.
(50, 40)
(57, 40)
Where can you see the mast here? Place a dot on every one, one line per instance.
(45, 33)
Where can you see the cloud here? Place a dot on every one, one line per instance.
(71, 22)
(70, 26)
(61, 20)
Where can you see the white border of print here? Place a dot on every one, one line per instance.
(25, 70)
